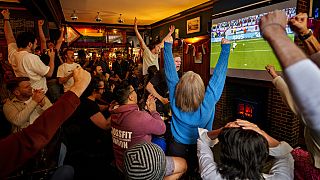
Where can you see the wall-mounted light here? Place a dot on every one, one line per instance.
(120, 19)
(98, 18)
(74, 16)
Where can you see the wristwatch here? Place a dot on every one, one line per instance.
(306, 36)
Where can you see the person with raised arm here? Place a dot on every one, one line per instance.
(192, 106)
(19, 147)
(151, 52)
(302, 76)
(23, 62)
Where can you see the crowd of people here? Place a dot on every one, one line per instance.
(74, 119)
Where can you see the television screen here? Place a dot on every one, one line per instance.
(250, 53)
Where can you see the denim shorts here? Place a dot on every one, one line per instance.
(169, 166)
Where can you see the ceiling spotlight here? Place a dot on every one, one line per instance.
(74, 16)
(98, 18)
(120, 19)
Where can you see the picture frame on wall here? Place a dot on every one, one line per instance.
(193, 25)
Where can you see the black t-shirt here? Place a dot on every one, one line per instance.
(46, 59)
(159, 83)
(120, 69)
(91, 136)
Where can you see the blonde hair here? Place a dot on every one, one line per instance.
(189, 92)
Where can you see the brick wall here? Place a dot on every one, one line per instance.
(275, 117)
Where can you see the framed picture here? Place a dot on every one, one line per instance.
(193, 25)
(198, 58)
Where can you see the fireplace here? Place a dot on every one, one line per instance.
(247, 109)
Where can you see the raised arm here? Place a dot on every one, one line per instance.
(43, 42)
(298, 24)
(303, 76)
(142, 44)
(60, 40)
(171, 30)
(7, 27)
(19, 147)
(169, 66)
(216, 83)
(51, 54)
(283, 89)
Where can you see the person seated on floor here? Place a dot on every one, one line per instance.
(244, 148)
(192, 106)
(19, 147)
(147, 161)
(302, 77)
(131, 126)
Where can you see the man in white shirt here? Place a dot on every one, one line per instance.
(65, 70)
(24, 63)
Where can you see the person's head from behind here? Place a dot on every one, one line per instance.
(242, 154)
(27, 40)
(177, 61)
(144, 161)
(189, 92)
(155, 47)
(20, 87)
(125, 94)
(152, 70)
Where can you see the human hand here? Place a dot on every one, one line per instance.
(40, 22)
(298, 24)
(135, 22)
(225, 41)
(82, 79)
(51, 53)
(273, 23)
(171, 29)
(42, 103)
(38, 95)
(251, 126)
(232, 124)
(248, 125)
(62, 28)
(164, 100)
(271, 70)
(151, 103)
(5, 13)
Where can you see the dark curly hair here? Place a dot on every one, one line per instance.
(243, 153)
(121, 92)
(25, 38)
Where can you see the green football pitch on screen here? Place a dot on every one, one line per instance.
(250, 54)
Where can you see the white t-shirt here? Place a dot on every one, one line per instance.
(65, 70)
(26, 64)
(149, 59)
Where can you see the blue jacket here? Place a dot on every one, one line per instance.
(184, 125)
